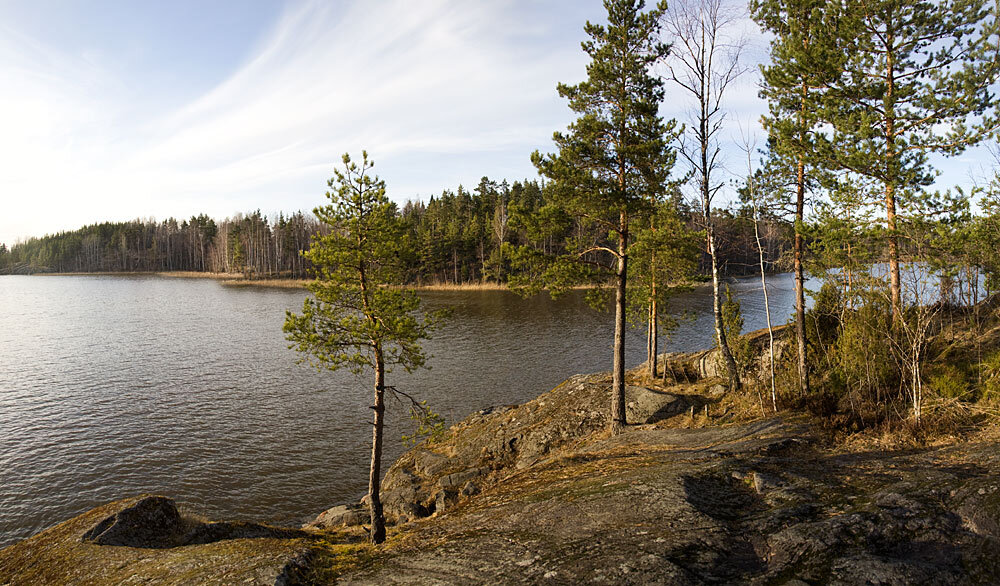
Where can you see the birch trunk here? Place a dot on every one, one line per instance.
(720, 333)
(767, 308)
(374, 474)
(652, 343)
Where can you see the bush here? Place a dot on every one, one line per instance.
(991, 377)
(823, 326)
(732, 325)
(862, 352)
(950, 382)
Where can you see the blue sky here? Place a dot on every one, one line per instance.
(113, 110)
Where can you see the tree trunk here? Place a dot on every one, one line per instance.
(894, 284)
(654, 327)
(915, 382)
(891, 160)
(374, 500)
(653, 330)
(720, 332)
(618, 371)
(767, 306)
(800, 295)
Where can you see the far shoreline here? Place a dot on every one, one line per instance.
(239, 280)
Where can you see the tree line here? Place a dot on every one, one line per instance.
(252, 244)
(453, 238)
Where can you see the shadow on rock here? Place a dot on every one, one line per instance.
(154, 522)
(721, 498)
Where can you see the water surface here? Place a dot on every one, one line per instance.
(115, 386)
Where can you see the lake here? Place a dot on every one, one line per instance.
(112, 386)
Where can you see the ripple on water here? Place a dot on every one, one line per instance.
(113, 386)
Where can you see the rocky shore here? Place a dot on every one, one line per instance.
(693, 493)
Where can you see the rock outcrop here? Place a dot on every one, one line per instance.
(153, 521)
(690, 367)
(495, 442)
(539, 493)
(147, 539)
(756, 503)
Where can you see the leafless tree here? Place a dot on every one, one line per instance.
(705, 61)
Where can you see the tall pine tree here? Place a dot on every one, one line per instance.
(917, 81)
(614, 160)
(805, 59)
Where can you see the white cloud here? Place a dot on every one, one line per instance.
(466, 86)
(439, 92)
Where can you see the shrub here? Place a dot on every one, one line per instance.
(862, 352)
(991, 377)
(732, 325)
(950, 382)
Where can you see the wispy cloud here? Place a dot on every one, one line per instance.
(440, 92)
(466, 88)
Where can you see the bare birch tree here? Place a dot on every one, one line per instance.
(705, 62)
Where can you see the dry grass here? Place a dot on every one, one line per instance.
(945, 421)
(301, 283)
(275, 283)
(484, 286)
(197, 275)
(169, 274)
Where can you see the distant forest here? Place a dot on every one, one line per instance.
(453, 238)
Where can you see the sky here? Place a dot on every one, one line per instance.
(112, 110)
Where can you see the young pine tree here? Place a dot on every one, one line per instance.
(353, 320)
(664, 258)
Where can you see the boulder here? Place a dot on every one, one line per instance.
(645, 405)
(153, 521)
(340, 516)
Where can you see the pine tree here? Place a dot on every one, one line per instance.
(353, 320)
(805, 60)
(614, 160)
(664, 258)
(917, 81)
